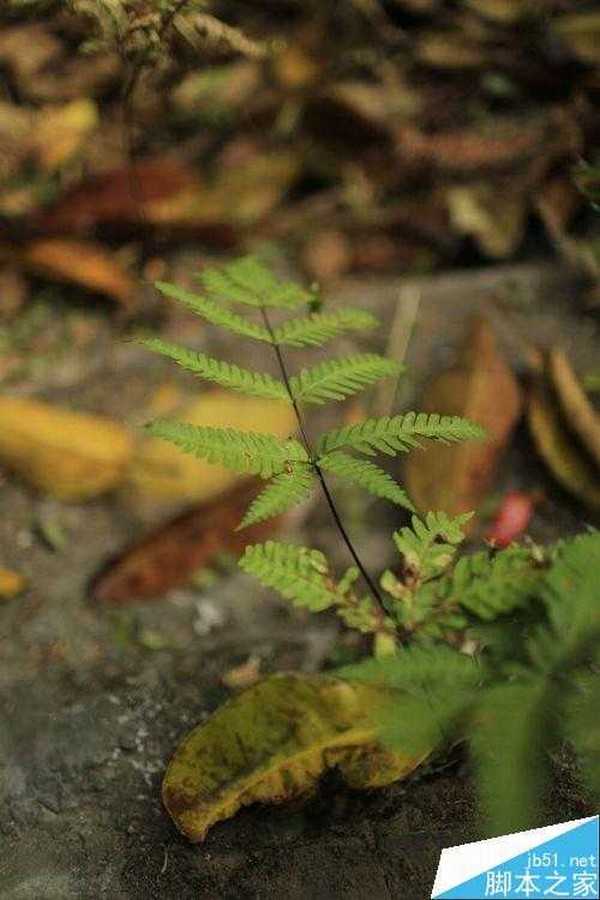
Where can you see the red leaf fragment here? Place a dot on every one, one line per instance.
(168, 556)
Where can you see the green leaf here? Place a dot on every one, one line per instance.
(254, 384)
(489, 586)
(399, 433)
(582, 727)
(367, 475)
(340, 378)
(510, 735)
(317, 329)
(247, 280)
(297, 573)
(242, 451)
(429, 546)
(284, 491)
(215, 313)
(438, 686)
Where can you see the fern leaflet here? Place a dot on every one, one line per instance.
(340, 378)
(367, 475)
(247, 281)
(242, 451)
(253, 384)
(399, 433)
(282, 493)
(297, 573)
(316, 329)
(215, 313)
(421, 548)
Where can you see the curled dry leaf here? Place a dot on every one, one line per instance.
(168, 556)
(480, 387)
(82, 263)
(559, 449)
(272, 743)
(160, 473)
(575, 405)
(68, 455)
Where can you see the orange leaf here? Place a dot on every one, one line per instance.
(83, 263)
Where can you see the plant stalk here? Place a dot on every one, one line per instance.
(379, 605)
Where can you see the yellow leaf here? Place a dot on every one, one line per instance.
(66, 454)
(11, 584)
(558, 449)
(61, 131)
(162, 473)
(273, 742)
(576, 408)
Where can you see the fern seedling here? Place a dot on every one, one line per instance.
(293, 467)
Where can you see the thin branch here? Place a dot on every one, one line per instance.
(379, 605)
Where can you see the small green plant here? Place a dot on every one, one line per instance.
(499, 649)
(293, 467)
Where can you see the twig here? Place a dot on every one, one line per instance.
(403, 323)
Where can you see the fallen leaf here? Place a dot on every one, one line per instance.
(68, 455)
(11, 584)
(83, 263)
(61, 132)
(242, 676)
(512, 518)
(577, 410)
(494, 217)
(119, 196)
(559, 450)
(480, 387)
(272, 743)
(161, 473)
(169, 556)
(580, 31)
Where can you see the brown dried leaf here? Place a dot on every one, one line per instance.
(120, 196)
(82, 263)
(481, 387)
(502, 144)
(577, 410)
(558, 449)
(169, 555)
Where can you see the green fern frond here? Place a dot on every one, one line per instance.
(367, 475)
(570, 594)
(316, 329)
(399, 433)
(429, 546)
(337, 379)
(215, 312)
(582, 727)
(297, 573)
(491, 586)
(242, 451)
(437, 686)
(253, 384)
(284, 491)
(509, 742)
(247, 281)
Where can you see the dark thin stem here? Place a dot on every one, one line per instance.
(379, 607)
